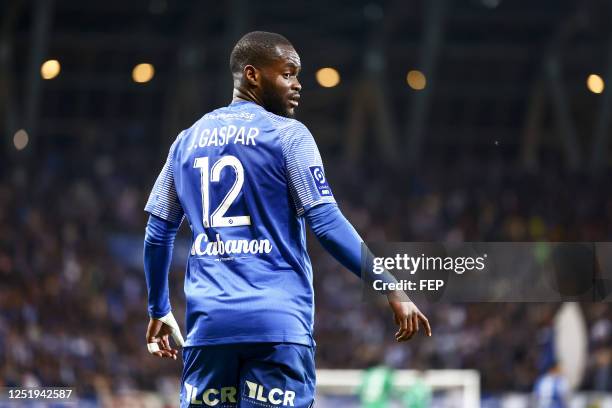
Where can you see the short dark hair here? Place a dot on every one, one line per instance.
(256, 48)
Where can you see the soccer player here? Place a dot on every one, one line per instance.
(248, 178)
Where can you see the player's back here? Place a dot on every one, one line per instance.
(248, 276)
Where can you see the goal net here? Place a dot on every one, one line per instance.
(439, 388)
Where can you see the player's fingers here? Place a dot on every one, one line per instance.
(399, 323)
(160, 347)
(170, 353)
(414, 328)
(173, 354)
(165, 343)
(403, 323)
(405, 337)
(165, 354)
(425, 323)
(406, 329)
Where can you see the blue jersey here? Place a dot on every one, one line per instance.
(243, 177)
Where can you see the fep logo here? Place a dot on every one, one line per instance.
(320, 181)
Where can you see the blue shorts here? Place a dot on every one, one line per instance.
(253, 375)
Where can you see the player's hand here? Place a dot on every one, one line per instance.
(407, 316)
(158, 333)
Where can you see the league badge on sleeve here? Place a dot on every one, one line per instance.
(320, 181)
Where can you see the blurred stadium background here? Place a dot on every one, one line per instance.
(473, 120)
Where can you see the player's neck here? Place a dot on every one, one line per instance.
(240, 95)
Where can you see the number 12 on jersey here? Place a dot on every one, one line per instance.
(210, 175)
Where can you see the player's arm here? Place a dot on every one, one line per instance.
(313, 198)
(340, 239)
(158, 247)
(165, 216)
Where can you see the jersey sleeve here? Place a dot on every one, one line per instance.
(305, 173)
(163, 201)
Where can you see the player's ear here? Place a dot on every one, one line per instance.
(251, 75)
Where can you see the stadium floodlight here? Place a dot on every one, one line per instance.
(21, 139)
(50, 69)
(328, 77)
(595, 83)
(143, 73)
(416, 80)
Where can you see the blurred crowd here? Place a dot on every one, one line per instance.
(72, 312)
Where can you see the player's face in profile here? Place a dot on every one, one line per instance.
(280, 86)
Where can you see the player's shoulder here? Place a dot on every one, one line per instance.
(288, 128)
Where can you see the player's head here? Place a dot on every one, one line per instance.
(265, 66)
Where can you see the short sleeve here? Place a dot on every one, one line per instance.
(306, 175)
(163, 200)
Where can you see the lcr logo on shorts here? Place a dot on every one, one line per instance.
(212, 396)
(275, 396)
